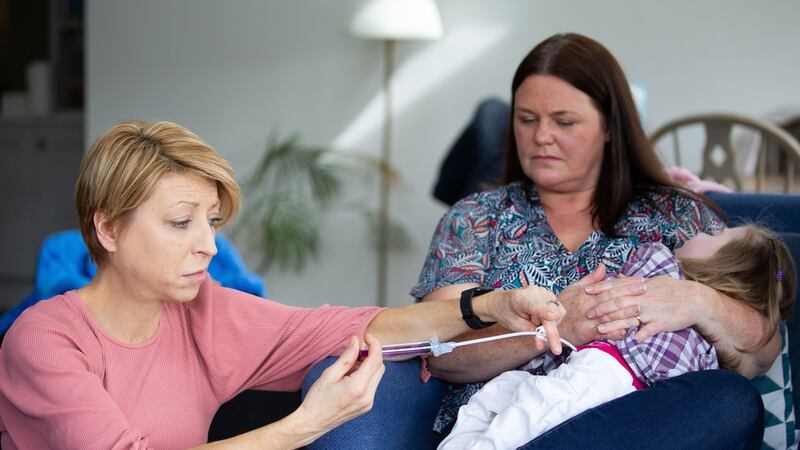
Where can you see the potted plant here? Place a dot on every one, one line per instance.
(290, 190)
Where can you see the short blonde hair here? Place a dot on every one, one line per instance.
(125, 163)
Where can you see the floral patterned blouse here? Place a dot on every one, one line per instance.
(501, 239)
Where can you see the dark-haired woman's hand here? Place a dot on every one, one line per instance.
(654, 305)
(576, 327)
(667, 304)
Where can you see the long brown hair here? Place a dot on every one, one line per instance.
(757, 270)
(630, 165)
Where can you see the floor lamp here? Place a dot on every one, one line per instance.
(390, 21)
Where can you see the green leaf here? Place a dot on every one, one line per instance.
(287, 194)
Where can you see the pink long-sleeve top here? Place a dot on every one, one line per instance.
(65, 383)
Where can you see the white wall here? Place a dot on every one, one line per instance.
(236, 71)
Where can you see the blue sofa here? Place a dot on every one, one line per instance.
(404, 406)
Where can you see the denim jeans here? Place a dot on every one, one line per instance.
(713, 409)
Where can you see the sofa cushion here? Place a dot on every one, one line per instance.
(775, 388)
(793, 325)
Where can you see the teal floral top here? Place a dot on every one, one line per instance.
(501, 239)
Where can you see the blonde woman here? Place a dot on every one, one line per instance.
(144, 355)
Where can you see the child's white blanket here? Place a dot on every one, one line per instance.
(516, 407)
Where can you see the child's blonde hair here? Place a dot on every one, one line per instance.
(756, 269)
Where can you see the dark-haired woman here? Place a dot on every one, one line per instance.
(583, 187)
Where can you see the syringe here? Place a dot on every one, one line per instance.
(436, 348)
(411, 349)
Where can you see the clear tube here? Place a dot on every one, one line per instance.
(407, 350)
(412, 349)
(436, 348)
(539, 333)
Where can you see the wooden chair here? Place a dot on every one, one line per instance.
(718, 135)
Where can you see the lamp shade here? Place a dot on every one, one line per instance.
(396, 19)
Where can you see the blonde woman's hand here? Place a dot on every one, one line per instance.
(527, 308)
(346, 389)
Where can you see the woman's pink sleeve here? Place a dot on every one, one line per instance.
(248, 342)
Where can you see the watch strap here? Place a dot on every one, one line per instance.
(466, 308)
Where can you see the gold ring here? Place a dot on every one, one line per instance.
(641, 322)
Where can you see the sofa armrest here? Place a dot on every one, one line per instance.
(404, 408)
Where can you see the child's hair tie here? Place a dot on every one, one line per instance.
(779, 276)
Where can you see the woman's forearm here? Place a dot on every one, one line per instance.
(478, 362)
(668, 304)
(419, 321)
(482, 362)
(733, 328)
(518, 310)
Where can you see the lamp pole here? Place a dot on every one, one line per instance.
(385, 168)
(390, 21)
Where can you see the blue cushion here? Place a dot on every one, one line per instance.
(793, 241)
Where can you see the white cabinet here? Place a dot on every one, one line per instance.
(39, 162)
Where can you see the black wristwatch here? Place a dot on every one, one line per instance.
(466, 308)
